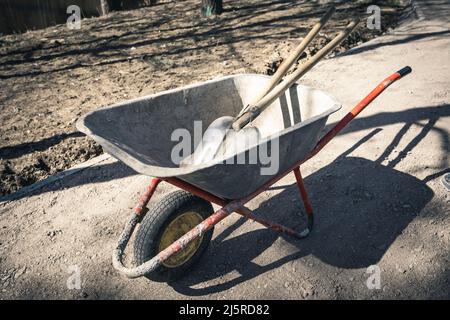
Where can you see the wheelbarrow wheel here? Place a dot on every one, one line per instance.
(167, 221)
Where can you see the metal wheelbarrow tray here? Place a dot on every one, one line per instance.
(140, 134)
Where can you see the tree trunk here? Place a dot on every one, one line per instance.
(104, 7)
(210, 7)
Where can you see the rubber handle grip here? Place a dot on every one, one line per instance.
(403, 72)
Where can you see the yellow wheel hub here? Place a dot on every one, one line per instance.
(175, 230)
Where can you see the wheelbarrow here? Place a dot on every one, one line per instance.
(175, 232)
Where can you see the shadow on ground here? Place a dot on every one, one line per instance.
(410, 38)
(19, 150)
(361, 207)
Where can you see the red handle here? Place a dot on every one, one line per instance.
(359, 107)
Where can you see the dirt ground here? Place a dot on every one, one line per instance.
(50, 77)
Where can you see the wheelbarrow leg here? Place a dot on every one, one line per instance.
(139, 210)
(304, 194)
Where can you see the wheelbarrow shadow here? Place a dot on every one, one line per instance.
(361, 207)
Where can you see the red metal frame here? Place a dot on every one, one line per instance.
(227, 206)
(145, 198)
(304, 194)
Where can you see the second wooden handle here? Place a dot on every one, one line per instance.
(255, 110)
(293, 57)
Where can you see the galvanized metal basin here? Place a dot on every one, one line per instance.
(139, 132)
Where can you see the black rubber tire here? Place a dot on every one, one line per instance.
(156, 221)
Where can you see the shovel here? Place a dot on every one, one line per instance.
(218, 131)
(295, 55)
(252, 111)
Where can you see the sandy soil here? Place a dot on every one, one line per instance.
(50, 77)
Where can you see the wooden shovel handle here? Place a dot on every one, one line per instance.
(293, 57)
(254, 110)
